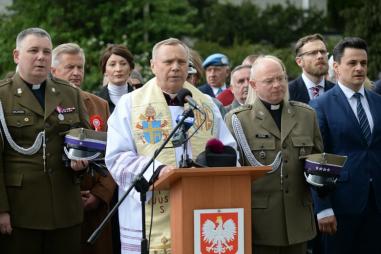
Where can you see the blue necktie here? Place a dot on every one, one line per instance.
(219, 91)
(363, 120)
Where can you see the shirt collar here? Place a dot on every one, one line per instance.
(215, 89)
(310, 84)
(349, 92)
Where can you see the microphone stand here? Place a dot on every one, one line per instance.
(142, 186)
(185, 161)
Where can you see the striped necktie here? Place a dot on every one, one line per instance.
(315, 91)
(363, 120)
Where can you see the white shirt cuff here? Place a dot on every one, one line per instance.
(325, 213)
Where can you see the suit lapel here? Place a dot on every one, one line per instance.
(267, 122)
(303, 95)
(288, 120)
(342, 100)
(25, 97)
(52, 98)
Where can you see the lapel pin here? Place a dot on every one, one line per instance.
(53, 90)
(19, 91)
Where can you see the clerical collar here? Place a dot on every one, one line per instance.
(273, 107)
(35, 86)
(171, 99)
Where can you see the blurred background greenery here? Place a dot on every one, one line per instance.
(209, 26)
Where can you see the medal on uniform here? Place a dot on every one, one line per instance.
(59, 110)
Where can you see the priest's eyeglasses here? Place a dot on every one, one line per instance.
(271, 81)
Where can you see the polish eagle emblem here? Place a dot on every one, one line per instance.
(218, 235)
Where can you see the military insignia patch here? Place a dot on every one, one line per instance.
(151, 126)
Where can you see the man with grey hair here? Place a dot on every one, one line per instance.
(40, 206)
(68, 63)
(277, 132)
(239, 82)
(139, 125)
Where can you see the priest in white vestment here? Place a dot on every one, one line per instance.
(140, 123)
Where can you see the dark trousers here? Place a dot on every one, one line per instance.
(359, 233)
(299, 248)
(31, 241)
(116, 247)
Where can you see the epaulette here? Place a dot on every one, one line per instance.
(60, 81)
(301, 104)
(5, 81)
(241, 108)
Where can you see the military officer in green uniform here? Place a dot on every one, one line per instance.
(277, 132)
(40, 202)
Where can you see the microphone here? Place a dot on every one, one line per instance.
(180, 136)
(184, 95)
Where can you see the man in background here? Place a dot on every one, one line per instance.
(312, 57)
(68, 63)
(216, 68)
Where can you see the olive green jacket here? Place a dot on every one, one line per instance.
(282, 211)
(39, 197)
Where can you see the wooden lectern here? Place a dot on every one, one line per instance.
(207, 188)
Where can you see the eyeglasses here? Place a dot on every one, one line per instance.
(271, 81)
(323, 52)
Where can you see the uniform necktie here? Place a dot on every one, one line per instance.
(363, 120)
(315, 91)
(219, 91)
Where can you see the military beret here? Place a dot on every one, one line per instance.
(217, 59)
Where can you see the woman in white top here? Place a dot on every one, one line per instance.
(116, 64)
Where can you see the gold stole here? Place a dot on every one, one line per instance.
(151, 124)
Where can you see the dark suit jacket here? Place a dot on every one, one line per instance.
(103, 93)
(341, 134)
(205, 88)
(298, 90)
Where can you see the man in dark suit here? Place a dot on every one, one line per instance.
(312, 58)
(350, 216)
(217, 71)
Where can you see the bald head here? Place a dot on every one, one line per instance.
(268, 79)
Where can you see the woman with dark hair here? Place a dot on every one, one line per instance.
(116, 64)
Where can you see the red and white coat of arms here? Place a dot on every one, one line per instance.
(219, 231)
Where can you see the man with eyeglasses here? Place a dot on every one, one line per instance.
(312, 58)
(277, 132)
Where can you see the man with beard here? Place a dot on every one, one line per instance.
(239, 81)
(312, 56)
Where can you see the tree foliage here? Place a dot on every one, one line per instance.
(365, 22)
(95, 23)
